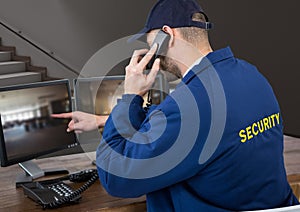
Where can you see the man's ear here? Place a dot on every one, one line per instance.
(170, 31)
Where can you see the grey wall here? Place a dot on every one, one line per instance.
(73, 30)
(263, 32)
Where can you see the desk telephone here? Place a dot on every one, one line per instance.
(55, 193)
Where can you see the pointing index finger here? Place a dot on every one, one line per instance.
(62, 115)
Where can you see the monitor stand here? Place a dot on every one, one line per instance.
(33, 171)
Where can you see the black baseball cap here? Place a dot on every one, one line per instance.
(175, 14)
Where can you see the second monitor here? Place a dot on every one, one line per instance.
(98, 95)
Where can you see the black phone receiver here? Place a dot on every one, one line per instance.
(162, 40)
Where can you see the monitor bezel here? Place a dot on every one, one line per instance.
(3, 153)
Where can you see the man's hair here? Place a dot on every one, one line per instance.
(195, 35)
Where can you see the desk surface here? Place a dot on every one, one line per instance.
(94, 198)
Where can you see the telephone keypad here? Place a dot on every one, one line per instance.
(61, 189)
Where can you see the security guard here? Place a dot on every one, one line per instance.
(214, 144)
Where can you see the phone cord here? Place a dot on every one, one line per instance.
(149, 99)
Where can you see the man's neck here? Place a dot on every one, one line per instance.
(193, 58)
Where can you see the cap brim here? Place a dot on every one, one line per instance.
(137, 36)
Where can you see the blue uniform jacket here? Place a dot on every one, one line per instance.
(214, 144)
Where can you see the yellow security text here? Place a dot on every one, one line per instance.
(258, 127)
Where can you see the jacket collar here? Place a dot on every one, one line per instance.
(210, 59)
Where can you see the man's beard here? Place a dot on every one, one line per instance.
(170, 69)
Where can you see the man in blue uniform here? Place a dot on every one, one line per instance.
(214, 144)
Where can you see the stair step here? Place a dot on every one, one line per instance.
(12, 67)
(19, 78)
(5, 56)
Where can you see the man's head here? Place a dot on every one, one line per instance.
(187, 25)
(175, 14)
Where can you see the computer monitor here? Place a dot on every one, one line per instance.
(27, 130)
(98, 95)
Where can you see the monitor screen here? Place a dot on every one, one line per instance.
(98, 95)
(27, 129)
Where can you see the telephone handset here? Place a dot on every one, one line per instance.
(55, 193)
(162, 40)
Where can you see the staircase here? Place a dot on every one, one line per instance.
(16, 69)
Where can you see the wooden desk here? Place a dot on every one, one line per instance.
(94, 198)
(292, 163)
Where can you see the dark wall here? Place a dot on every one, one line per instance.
(265, 33)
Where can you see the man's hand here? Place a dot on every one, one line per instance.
(136, 82)
(82, 121)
